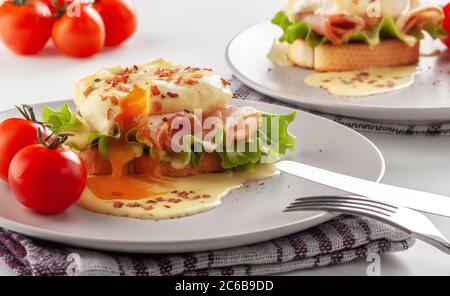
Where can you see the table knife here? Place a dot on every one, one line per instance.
(416, 200)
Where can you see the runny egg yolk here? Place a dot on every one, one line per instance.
(132, 106)
(119, 185)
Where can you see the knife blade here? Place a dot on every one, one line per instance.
(413, 199)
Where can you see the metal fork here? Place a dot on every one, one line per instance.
(409, 221)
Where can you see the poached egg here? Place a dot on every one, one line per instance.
(107, 96)
(386, 8)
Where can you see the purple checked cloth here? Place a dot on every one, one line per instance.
(341, 240)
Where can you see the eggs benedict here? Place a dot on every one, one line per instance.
(345, 35)
(161, 140)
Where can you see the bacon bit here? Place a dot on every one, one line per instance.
(175, 200)
(114, 101)
(97, 80)
(179, 80)
(225, 83)
(183, 194)
(135, 67)
(167, 207)
(121, 77)
(197, 197)
(175, 191)
(173, 95)
(88, 91)
(109, 114)
(118, 204)
(155, 90)
(206, 196)
(134, 205)
(165, 119)
(197, 76)
(157, 106)
(148, 208)
(159, 198)
(123, 88)
(208, 69)
(191, 82)
(191, 69)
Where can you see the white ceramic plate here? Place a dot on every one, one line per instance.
(427, 100)
(248, 215)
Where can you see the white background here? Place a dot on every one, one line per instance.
(196, 32)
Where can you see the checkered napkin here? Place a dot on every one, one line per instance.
(341, 240)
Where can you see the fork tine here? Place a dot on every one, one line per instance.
(346, 197)
(407, 220)
(345, 210)
(338, 207)
(343, 200)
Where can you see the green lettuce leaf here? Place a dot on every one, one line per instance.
(194, 149)
(435, 31)
(297, 30)
(101, 141)
(387, 29)
(66, 121)
(269, 147)
(263, 147)
(63, 121)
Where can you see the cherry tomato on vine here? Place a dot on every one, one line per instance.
(47, 178)
(447, 24)
(120, 20)
(79, 35)
(15, 134)
(25, 25)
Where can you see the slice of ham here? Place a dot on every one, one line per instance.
(336, 27)
(416, 18)
(241, 123)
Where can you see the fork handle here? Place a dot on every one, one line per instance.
(438, 242)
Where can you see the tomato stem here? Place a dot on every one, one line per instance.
(59, 140)
(20, 2)
(27, 112)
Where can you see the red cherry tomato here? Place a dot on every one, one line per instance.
(25, 26)
(15, 134)
(46, 180)
(447, 24)
(120, 20)
(81, 35)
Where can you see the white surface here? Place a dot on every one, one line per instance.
(183, 31)
(320, 142)
(426, 99)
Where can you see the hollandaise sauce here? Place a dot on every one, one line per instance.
(367, 82)
(158, 198)
(279, 54)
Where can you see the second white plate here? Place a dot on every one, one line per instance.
(427, 100)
